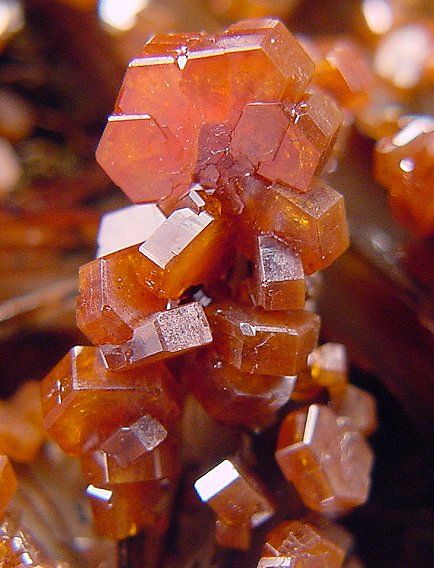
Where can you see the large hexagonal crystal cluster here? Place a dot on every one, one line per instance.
(201, 287)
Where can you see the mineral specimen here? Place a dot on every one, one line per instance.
(164, 334)
(328, 464)
(302, 545)
(235, 397)
(267, 343)
(403, 163)
(238, 501)
(228, 135)
(278, 279)
(84, 403)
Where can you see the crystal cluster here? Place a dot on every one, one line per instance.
(404, 164)
(227, 135)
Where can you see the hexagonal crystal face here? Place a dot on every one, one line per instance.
(268, 343)
(328, 464)
(234, 397)
(83, 402)
(181, 87)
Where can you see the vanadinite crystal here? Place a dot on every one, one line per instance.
(238, 501)
(302, 545)
(221, 141)
(267, 343)
(404, 164)
(328, 463)
(83, 403)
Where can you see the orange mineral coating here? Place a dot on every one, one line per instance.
(237, 500)
(83, 403)
(266, 343)
(356, 410)
(230, 396)
(278, 279)
(101, 468)
(303, 544)
(123, 510)
(170, 255)
(314, 224)
(112, 299)
(21, 429)
(328, 464)
(404, 164)
(161, 336)
(8, 483)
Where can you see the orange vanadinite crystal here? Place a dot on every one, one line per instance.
(227, 135)
(233, 397)
(267, 343)
(101, 468)
(123, 510)
(163, 335)
(328, 464)
(129, 443)
(238, 501)
(303, 544)
(404, 164)
(169, 255)
(342, 70)
(193, 103)
(8, 483)
(314, 224)
(112, 299)
(329, 368)
(21, 429)
(83, 403)
(278, 279)
(356, 410)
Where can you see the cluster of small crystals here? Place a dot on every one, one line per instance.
(17, 549)
(201, 287)
(378, 93)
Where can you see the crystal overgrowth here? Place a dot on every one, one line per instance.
(200, 288)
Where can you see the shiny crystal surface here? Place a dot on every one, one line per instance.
(129, 443)
(237, 500)
(169, 255)
(163, 335)
(256, 341)
(83, 403)
(302, 545)
(101, 468)
(278, 280)
(113, 299)
(403, 163)
(328, 464)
